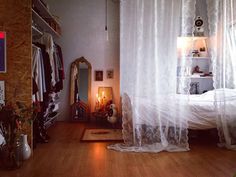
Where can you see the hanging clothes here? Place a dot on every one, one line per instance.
(47, 40)
(38, 74)
(59, 51)
(47, 67)
(48, 75)
(74, 82)
(60, 67)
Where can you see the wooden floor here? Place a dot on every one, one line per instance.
(66, 156)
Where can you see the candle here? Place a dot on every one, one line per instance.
(103, 94)
(97, 95)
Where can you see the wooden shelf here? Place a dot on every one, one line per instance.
(204, 77)
(44, 11)
(196, 77)
(193, 37)
(204, 58)
(43, 24)
(44, 19)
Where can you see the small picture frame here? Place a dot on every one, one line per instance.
(110, 74)
(98, 75)
(2, 92)
(3, 66)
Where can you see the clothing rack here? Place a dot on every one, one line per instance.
(46, 89)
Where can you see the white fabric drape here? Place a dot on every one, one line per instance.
(149, 31)
(222, 29)
(38, 73)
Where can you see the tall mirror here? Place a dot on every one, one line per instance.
(80, 89)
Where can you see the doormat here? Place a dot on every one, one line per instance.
(91, 135)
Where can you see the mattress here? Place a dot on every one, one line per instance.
(192, 111)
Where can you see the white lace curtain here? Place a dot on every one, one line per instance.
(153, 115)
(222, 32)
(149, 31)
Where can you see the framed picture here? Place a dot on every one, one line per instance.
(2, 92)
(98, 75)
(3, 65)
(110, 74)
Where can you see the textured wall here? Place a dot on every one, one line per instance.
(83, 34)
(15, 19)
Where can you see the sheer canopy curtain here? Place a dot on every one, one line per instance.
(149, 31)
(222, 27)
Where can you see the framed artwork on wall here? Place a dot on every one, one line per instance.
(2, 92)
(98, 75)
(110, 74)
(3, 65)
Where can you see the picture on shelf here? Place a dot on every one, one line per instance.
(2, 52)
(202, 49)
(98, 75)
(194, 88)
(110, 74)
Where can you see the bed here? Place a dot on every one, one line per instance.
(200, 111)
(162, 123)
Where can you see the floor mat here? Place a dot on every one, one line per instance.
(102, 135)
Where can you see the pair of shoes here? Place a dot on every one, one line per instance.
(42, 138)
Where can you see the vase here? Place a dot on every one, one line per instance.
(7, 158)
(25, 148)
(11, 156)
(18, 154)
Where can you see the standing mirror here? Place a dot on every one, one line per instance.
(80, 89)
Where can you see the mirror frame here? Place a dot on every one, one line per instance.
(76, 63)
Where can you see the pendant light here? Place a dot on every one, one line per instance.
(106, 20)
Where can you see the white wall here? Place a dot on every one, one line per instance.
(83, 34)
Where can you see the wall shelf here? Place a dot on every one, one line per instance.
(204, 58)
(44, 19)
(204, 77)
(187, 46)
(43, 24)
(196, 77)
(43, 11)
(193, 37)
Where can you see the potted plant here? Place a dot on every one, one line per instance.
(14, 120)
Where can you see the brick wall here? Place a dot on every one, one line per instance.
(15, 20)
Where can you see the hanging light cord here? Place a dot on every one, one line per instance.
(106, 18)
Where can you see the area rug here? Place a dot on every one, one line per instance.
(91, 135)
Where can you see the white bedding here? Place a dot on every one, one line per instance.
(199, 111)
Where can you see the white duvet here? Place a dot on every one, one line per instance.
(193, 111)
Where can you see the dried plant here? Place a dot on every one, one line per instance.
(14, 120)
